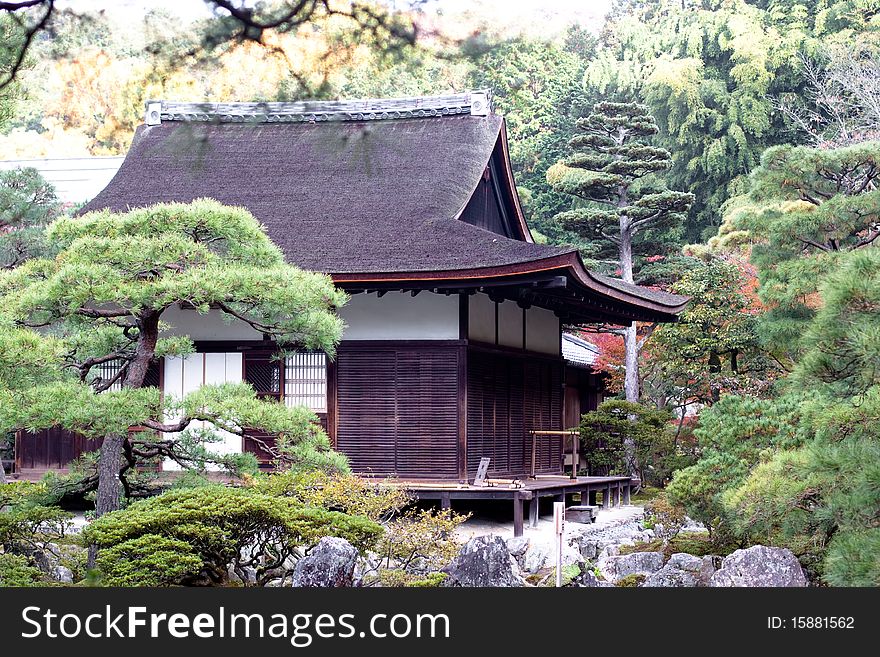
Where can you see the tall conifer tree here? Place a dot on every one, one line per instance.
(613, 172)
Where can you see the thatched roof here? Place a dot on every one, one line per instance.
(357, 191)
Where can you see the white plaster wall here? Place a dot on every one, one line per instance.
(481, 318)
(185, 374)
(401, 316)
(542, 326)
(510, 324)
(215, 325)
(542, 331)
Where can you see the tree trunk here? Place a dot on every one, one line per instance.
(110, 460)
(2, 473)
(631, 364)
(625, 250)
(630, 338)
(109, 485)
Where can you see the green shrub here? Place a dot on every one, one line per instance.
(776, 505)
(665, 518)
(16, 570)
(734, 435)
(854, 559)
(416, 542)
(229, 529)
(149, 560)
(604, 433)
(376, 499)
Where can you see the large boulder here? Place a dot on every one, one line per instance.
(682, 570)
(614, 568)
(484, 561)
(760, 566)
(330, 564)
(685, 561)
(670, 577)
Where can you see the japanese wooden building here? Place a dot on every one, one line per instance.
(453, 346)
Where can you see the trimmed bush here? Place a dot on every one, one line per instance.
(228, 529)
(15, 570)
(149, 560)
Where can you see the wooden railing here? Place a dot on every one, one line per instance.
(575, 439)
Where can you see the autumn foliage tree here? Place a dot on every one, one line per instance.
(714, 347)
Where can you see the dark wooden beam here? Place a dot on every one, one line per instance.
(462, 413)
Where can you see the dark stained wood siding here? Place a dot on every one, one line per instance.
(584, 391)
(50, 449)
(508, 395)
(55, 448)
(397, 410)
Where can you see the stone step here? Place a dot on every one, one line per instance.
(583, 514)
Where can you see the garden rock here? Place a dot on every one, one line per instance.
(586, 579)
(682, 570)
(518, 545)
(62, 574)
(543, 555)
(588, 548)
(615, 568)
(484, 561)
(760, 566)
(330, 564)
(670, 577)
(685, 561)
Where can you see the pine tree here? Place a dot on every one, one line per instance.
(102, 299)
(807, 209)
(27, 204)
(613, 171)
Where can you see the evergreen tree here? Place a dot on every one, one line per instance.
(612, 173)
(709, 70)
(807, 208)
(103, 300)
(714, 347)
(27, 204)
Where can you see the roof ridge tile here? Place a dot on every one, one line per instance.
(478, 103)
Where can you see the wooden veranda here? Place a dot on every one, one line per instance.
(615, 491)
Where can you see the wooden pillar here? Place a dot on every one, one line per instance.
(534, 455)
(606, 497)
(617, 495)
(627, 487)
(534, 511)
(462, 392)
(591, 496)
(517, 514)
(445, 501)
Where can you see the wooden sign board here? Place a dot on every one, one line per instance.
(482, 469)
